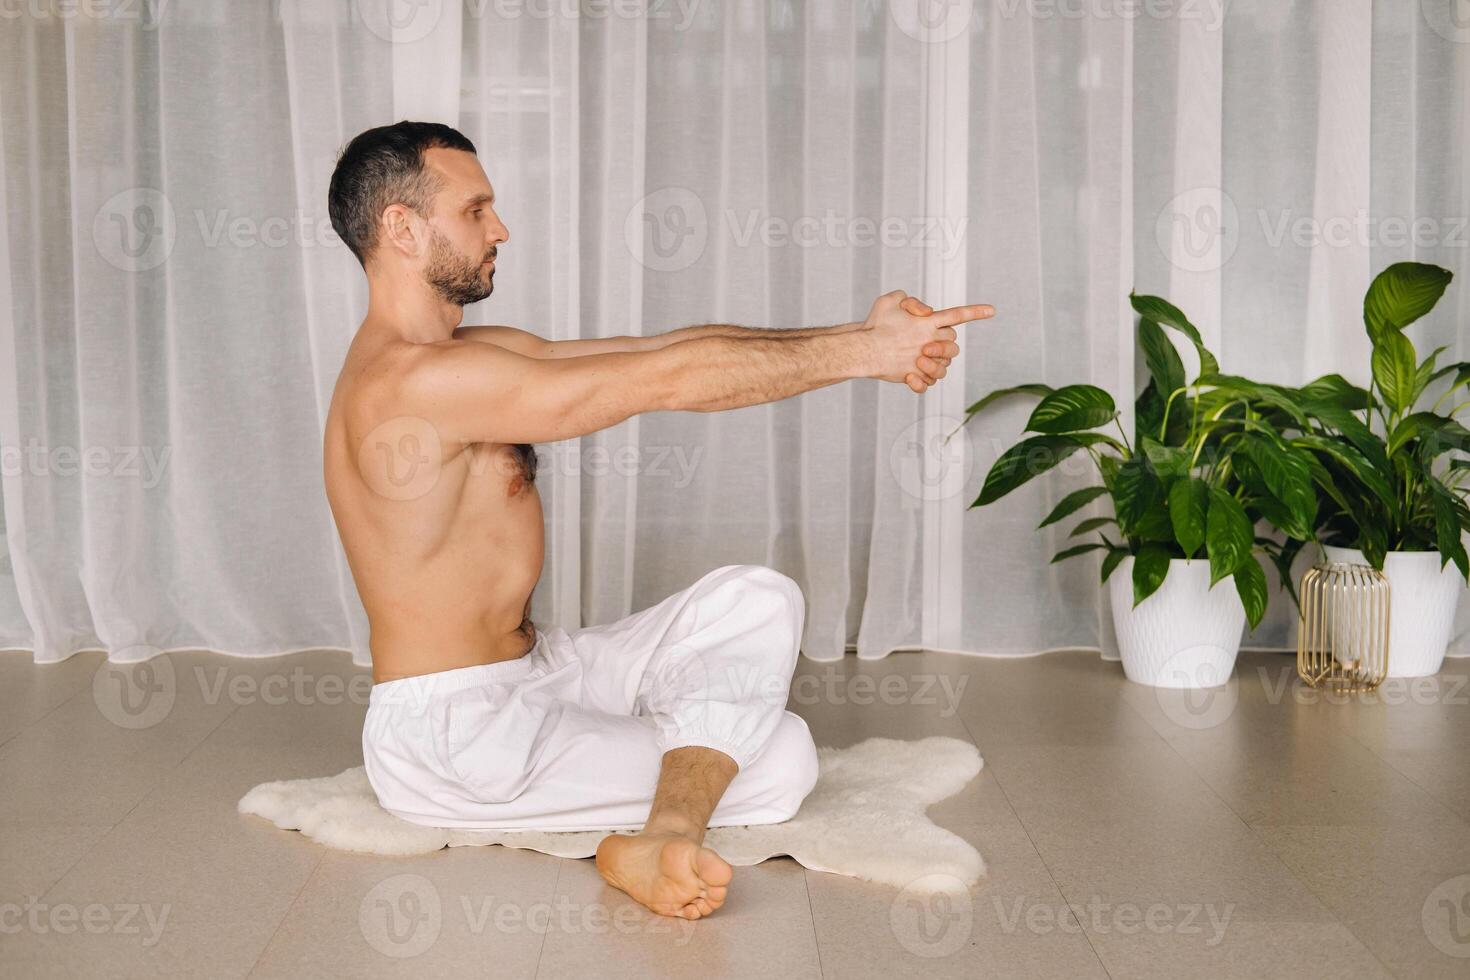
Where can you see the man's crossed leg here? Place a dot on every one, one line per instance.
(668, 721)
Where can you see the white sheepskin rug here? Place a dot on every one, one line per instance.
(865, 818)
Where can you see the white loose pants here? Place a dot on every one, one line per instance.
(571, 736)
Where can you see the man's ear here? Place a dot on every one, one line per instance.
(403, 230)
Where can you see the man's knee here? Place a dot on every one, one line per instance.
(761, 583)
(794, 765)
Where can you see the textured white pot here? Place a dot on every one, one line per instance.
(1421, 607)
(1184, 635)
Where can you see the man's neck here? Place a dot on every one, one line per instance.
(411, 309)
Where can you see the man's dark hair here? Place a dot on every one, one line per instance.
(380, 167)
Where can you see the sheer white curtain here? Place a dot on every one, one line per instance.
(176, 308)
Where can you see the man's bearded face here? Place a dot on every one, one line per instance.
(458, 278)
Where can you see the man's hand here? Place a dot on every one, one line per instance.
(912, 343)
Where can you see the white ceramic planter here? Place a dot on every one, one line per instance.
(1184, 635)
(1421, 607)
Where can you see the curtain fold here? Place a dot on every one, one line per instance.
(175, 306)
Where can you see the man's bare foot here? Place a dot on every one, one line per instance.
(669, 873)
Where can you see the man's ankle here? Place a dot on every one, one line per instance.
(674, 823)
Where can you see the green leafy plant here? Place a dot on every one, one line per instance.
(1388, 479)
(1207, 461)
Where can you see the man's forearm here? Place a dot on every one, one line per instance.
(741, 333)
(714, 372)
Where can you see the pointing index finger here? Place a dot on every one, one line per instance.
(963, 314)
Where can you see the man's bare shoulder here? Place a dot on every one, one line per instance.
(396, 378)
(387, 372)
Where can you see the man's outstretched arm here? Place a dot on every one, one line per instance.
(485, 393)
(526, 343)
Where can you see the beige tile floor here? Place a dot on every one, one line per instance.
(1257, 830)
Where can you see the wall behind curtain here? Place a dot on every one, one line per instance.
(175, 306)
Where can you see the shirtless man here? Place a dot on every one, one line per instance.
(430, 475)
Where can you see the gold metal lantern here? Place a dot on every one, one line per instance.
(1342, 642)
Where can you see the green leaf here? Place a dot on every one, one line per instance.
(1110, 561)
(1072, 503)
(1353, 461)
(997, 395)
(1163, 312)
(1283, 560)
(1335, 389)
(1091, 524)
(1136, 489)
(1395, 370)
(1412, 427)
(1228, 536)
(1373, 543)
(1461, 370)
(1274, 396)
(1148, 411)
(1154, 526)
(1187, 503)
(1150, 566)
(1401, 294)
(1448, 435)
(1072, 409)
(1447, 528)
(1250, 585)
(1162, 359)
(1289, 478)
(1425, 373)
(1024, 461)
(1353, 429)
(1076, 550)
(1167, 461)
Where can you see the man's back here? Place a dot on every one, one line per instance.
(444, 538)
